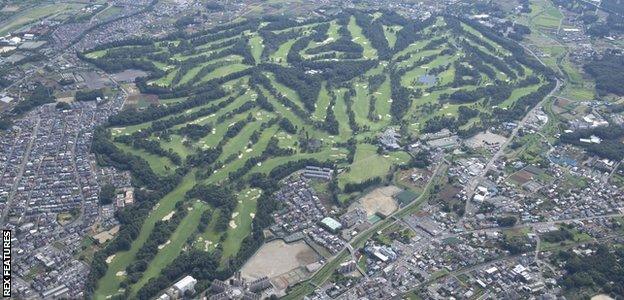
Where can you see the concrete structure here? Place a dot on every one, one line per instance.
(389, 139)
(318, 172)
(238, 288)
(331, 224)
(185, 284)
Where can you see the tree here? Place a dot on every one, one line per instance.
(62, 106)
(507, 221)
(5, 123)
(39, 96)
(89, 95)
(107, 194)
(608, 72)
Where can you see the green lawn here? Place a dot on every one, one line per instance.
(383, 103)
(239, 143)
(545, 15)
(109, 284)
(321, 104)
(176, 143)
(358, 37)
(242, 217)
(517, 93)
(391, 34)
(368, 164)
(282, 110)
(212, 140)
(159, 164)
(166, 80)
(170, 251)
(96, 54)
(280, 55)
(224, 71)
(256, 46)
(361, 104)
(237, 150)
(286, 91)
(324, 155)
(109, 12)
(340, 110)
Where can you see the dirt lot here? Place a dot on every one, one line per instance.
(105, 236)
(93, 80)
(277, 257)
(380, 200)
(561, 105)
(485, 139)
(521, 177)
(129, 75)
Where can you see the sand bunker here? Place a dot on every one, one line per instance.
(163, 245)
(110, 259)
(168, 216)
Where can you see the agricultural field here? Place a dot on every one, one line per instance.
(249, 102)
(545, 20)
(36, 13)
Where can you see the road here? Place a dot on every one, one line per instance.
(20, 173)
(472, 185)
(535, 225)
(391, 219)
(495, 261)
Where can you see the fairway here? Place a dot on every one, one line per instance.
(369, 164)
(109, 284)
(172, 249)
(240, 224)
(250, 100)
(358, 37)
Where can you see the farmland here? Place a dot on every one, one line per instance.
(245, 102)
(31, 15)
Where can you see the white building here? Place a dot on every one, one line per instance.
(185, 284)
(6, 99)
(15, 40)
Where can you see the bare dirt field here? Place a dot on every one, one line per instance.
(277, 257)
(484, 139)
(380, 200)
(94, 81)
(105, 236)
(129, 75)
